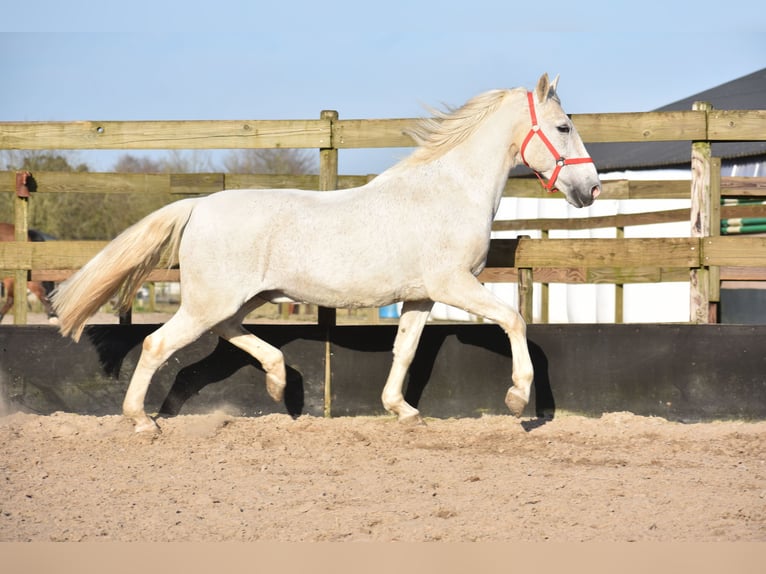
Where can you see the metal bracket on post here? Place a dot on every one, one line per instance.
(24, 180)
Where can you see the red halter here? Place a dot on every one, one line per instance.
(561, 161)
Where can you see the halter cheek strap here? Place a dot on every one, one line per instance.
(561, 161)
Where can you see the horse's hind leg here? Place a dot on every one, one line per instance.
(411, 323)
(271, 359)
(178, 332)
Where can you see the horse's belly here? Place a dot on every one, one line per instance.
(352, 291)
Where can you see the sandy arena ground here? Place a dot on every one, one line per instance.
(216, 477)
(221, 478)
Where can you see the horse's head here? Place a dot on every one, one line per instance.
(554, 150)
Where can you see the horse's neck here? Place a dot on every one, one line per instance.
(484, 160)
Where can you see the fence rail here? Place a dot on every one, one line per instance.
(700, 259)
(713, 125)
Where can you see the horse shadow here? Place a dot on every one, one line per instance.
(423, 364)
(449, 358)
(220, 365)
(118, 349)
(213, 362)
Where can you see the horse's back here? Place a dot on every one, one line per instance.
(331, 248)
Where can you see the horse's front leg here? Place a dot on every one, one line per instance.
(411, 323)
(466, 292)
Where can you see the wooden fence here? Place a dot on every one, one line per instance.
(704, 259)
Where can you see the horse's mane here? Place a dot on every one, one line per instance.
(440, 133)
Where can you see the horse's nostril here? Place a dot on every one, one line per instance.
(595, 192)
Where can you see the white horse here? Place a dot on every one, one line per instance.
(417, 233)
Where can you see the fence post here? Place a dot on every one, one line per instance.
(525, 282)
(699, 278)
(328, 180)
(21, 229)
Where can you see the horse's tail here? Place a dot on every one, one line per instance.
(121, 267)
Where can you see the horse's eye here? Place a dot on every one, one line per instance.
(563, 129)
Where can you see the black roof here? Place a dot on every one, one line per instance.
(745, 93)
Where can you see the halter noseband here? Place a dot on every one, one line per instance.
(561, 161)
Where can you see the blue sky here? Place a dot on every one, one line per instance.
(288, 60)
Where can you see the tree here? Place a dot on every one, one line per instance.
(127, 163)
(270, 161)
(40, 160)
(189, 161)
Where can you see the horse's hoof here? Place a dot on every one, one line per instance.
(276, 390)
(515, 403)
(147, 427)
(412, 420)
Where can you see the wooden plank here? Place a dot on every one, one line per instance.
(742, 211)
(595, 253)
(539, 274)
(367, 133)
(196, 183)
(729, 273)
(92, 182)
(571, 275)
(736, 125)
(277, 181)
(617, 127)
(47, 254)
(532, 253)
(58, 275)
(611, 189)
(734, 251)
(623, 275)
(659, 252)
(219, 134)
(165, 183)
(743, 186)
(270, 181)
(668, 189)
(526, 187)
(16, 255)
(372, 133)
(639, 127)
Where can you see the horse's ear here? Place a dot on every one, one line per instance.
(554, 85)
(543, 88)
